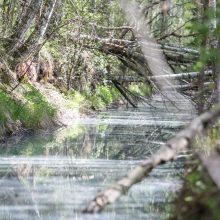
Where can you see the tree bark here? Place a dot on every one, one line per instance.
(203, 19)
(23, 24)
(217, 59)
(123, 93)
(37, 38)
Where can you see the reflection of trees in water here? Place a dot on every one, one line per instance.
(154, 201)
(118, 141)
(16, 195)
(85, 141)
(89, 142)
(125, 142)
(96, 141)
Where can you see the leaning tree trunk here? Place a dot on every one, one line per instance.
(36, 40)
(23, 24)
(37, 14)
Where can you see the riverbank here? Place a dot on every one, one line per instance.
(44, 107)
(32, 108)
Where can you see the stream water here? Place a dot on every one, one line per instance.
(53, 176)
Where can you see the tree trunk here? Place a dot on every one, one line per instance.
(202, 19)
(23, 25)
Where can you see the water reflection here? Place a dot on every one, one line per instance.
(53, 176)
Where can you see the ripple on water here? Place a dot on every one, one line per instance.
(53, 176)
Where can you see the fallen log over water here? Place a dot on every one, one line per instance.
(132, 48)
(178, 76)
(123, 42)
(168, 152)
(185, 87)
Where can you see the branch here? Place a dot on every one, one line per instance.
(179, 76)
(123, 93)
(167, 153)
(111, 28)
(212, 164)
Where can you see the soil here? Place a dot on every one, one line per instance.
(66, 115)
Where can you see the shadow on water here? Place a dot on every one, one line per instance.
(53, 176)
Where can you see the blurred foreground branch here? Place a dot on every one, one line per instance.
(170, 151)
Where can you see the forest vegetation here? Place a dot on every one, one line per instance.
(72, 58)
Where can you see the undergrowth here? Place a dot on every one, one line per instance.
(200, 197)
(99, 99)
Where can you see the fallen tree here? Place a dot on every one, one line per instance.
(130, 54)
(126, 43)
(170, 151)
(187, 87)
(178, 76)
(123, 93)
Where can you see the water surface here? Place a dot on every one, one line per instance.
(53, 176)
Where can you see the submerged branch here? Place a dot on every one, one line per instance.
(167, 153)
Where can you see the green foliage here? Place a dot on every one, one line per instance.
(39, 108)
(105, 95)
(141, 89)
(76, 99)
(200, 197)
(97, 103)
(4, 101)
(207, 36)
(214, 133)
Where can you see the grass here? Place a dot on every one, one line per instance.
(98, 100)
(31, 109)
(37, 109)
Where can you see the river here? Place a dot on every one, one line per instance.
(53, 176)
